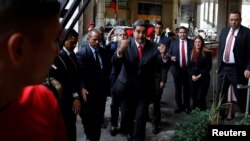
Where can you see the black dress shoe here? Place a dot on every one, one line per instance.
(113, 130)
(232, 117)
(156, 129)
(129, 137)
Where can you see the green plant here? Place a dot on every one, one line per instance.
(245, 120)
(214, 112)
(216, 108)
(194, 128)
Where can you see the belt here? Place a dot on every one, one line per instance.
(229, 64)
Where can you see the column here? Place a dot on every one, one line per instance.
(100, 11)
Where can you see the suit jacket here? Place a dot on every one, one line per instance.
(136, 78)
(174, 50)
(93, 78)
(203, 65)
(241, 50)
(68, 75)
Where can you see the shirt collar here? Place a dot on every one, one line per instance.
(158, 36)
(92, 48)
(182, 40)
(235, 31)
(66, 50)
(137, 44)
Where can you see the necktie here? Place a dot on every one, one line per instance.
(228, 46)
(156, 39)
(73, 59)
(140, 51)
(97, 61)
(183, 54)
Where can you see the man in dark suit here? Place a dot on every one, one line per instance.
(234, 59)
(160, 76)
(135, 83)
(95, 84)
(180, 52)
(66, 71)
(159, 36)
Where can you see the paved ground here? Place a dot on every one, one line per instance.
(168, 123)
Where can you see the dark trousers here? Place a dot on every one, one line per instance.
(229, 75)
(199, 92)
(92, 115)
(70, 122)
(157, 102)
(115, 108)
(134, 113)
(182, 90)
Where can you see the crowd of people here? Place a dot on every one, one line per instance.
(132, 70)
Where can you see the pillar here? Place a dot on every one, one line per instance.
(100, 11)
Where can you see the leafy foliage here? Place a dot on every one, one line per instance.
(245, 120)
(194, 128)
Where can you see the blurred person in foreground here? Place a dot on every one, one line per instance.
(28, 45)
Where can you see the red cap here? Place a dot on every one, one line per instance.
(150, 31)
(129, 32)
(90, 23)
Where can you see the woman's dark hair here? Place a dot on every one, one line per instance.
(203, 49)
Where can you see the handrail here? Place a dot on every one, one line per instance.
(69, 14)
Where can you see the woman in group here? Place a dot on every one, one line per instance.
(200, 66)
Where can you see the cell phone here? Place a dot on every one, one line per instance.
(119, 31)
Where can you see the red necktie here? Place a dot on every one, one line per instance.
(228, 46)
(140, 51)
(183, 54)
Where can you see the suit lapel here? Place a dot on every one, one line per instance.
(146, 53)
(90, 53)
(240, 33)
(134, 49)
(178, 48)
(65, 57)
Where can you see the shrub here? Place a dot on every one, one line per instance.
(194, 128)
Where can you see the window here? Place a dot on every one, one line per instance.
(122, 4)
(149, 9)
(211, 12)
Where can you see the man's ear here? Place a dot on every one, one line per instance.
(15, 48)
